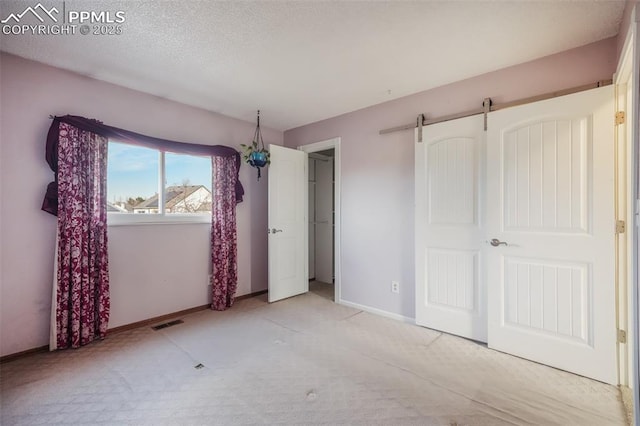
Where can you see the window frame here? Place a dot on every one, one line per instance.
(126, 219)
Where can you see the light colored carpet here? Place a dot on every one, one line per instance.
(303, 360)
(322, 289)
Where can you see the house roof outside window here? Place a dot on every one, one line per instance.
(180, 199)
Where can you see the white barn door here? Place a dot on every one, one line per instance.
(547, 192)
(450, 294)
(288, 227)
(550, 198)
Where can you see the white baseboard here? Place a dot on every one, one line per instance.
(377, 311)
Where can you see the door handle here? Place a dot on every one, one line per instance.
(273, 231)
(496, 242)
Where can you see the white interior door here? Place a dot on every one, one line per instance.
(550, 197)
(288, 224)
(450, 293)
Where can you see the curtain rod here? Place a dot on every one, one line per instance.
(492, 107)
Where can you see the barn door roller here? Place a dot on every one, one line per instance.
(486, 109)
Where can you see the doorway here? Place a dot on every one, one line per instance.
(321, 219)
(324, 217)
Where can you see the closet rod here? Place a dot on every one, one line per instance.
(477, 111)
(318, 157)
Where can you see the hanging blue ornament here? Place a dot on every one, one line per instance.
(255, 154)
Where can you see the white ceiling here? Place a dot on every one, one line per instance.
(304, 61)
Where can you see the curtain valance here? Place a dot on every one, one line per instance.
(50, 203)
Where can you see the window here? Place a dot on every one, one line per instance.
(145, 185)
(189, 184)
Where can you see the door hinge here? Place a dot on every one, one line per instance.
(620, 117)
(621, 227)
(622, 336)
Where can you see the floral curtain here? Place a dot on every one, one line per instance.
(81, 293)
(223, 233)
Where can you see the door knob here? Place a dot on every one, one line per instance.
(496, 242)
(275, 231)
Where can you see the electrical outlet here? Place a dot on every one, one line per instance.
(395, 287)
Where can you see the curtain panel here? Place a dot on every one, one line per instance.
(81, 294)
(224, 250)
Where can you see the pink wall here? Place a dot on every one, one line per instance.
(377, 171)
(624, 25)
(144, 259)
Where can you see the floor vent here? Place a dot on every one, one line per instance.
(167, 324)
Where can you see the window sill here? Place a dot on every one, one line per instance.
(120, 219)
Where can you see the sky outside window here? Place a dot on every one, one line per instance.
(132, 172)
(187, 170)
